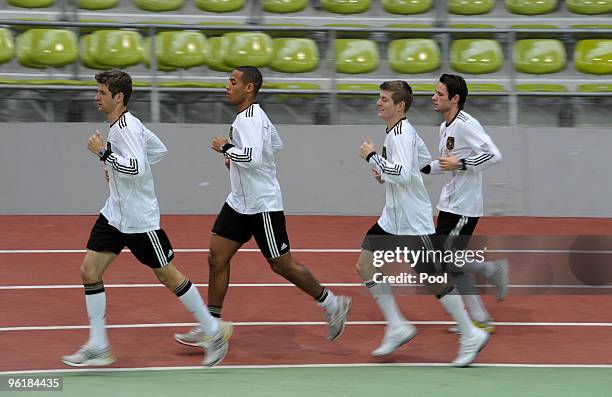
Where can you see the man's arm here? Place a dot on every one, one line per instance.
(392, 172)
(129, 165)
(487, 154)
(156, 150)
(251, 136)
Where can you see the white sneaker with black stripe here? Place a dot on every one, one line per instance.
(90, 356)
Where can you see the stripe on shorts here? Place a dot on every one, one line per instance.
(159, 251)
(270, 235)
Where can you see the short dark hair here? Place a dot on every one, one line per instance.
(400, 92)
(455, 85)
(117, 81)
(250, 74)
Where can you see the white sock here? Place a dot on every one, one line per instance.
(194, 303)
(329, 302)
(96, 311)
(454, 306)
(466, 284)
(476, 308)
(383, 295)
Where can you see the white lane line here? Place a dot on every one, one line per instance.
(352, 365)
(313, 250)
(298, 323)
(242, 285)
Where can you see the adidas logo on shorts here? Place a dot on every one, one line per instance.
(170, 252)
(283, 246)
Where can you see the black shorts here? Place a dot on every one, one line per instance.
(376, 239)
(151, 248)
(455, 230)
(268, 228)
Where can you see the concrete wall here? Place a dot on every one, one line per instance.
(45, 168)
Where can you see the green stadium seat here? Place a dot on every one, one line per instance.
(146, 57)
(220, 5)
(159, 5)
(294, 55)
(476, 56)
(356, 56)
(540, 87)
(597, 87)
(248, 48)
(97, 4)
(31, 3)
(539, 56)
(531, 7)
(284, 6)
(346, 6)
(43, 48)
(593, 56)
(407, 7)
(87, 53)
(7, 47)
(413, 55)
(589, 7)
(105, 49)
(217, 48)
(470, 7)
(181, 49)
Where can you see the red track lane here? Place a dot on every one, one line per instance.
(271, 344)
(157, 305)
(251, 267)
(193, 231)
(306, 344)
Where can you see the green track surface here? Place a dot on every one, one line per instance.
(339, 381)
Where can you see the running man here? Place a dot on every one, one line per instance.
(130, 218)
(407, 213)
(254, 207)
(465, 151)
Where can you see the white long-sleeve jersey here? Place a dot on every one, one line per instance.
(462, 194)
(132, 205)
(407, 206)
(254, 140)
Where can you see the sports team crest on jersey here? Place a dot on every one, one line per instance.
(231, 132)
(384, 152)
(450, 142)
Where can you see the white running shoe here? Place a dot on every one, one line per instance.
(470, 347)
(394, 338)
(90, 356)
(336, 321)
(191, 338)
(216, 346)
(500, 279)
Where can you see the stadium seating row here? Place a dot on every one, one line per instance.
(398, 7)
(103, 49)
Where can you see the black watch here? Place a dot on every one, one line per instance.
(101, 153)
(463, 166)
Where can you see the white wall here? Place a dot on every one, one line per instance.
(45, 168)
